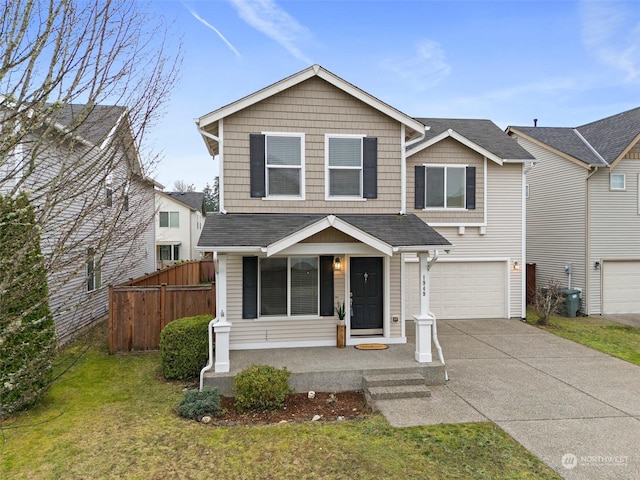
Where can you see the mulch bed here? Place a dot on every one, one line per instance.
(298, 408)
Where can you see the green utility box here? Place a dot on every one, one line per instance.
(571, 301)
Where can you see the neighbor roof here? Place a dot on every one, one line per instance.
(261, 230)
(193, 200)
(97, 126)
(603, 142)
(480, 132)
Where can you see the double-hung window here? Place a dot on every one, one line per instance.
(445, 186)
(94, 271)
(170, 219)
(344, 165)
(289, 286)
(169, 252)
(617, 181)
(277, 165)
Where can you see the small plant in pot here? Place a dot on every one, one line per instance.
(341, 312)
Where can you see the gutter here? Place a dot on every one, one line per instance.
(587, 248)
(403, 165)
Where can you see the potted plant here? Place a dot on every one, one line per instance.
(341, 312)
(341, 328)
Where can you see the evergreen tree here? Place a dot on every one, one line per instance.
(27, 335)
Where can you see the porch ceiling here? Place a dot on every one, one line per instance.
(273, 232)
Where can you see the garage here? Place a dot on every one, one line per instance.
(460, 289)
(621, 286)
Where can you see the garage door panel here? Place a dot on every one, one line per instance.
(621, 287)
(461, 290)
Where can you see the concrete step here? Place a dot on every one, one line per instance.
(397, 391)
(391, 379)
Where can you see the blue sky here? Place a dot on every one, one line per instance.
(565, 63)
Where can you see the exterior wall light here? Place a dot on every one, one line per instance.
(516, 266)
(597, 265)
(337, 264)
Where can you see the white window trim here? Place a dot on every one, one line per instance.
(624, 182)
(445, 208)
(288, 316)
(267, 167)
(343, 198)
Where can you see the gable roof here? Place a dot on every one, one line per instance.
(209, 121)
(193, 200)
(262, 232)
(601, 143)
(481, 135)
(98, 125)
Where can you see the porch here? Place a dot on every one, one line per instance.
(329, 369)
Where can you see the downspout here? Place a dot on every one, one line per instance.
(220, 155)
(434, 327)
(587, 261)
(211, 360)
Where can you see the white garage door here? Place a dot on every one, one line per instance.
(621, 287)
(460, 290)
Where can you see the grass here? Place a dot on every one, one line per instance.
(609, 337)
(113, 417)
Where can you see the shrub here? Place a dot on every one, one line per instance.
(547, 301)
(27, 334)
(184, 347)
(261, 387)
(196, 404)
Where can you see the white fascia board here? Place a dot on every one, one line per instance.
(363, 237)
(314, 70)
(298, 236)
(460, 138)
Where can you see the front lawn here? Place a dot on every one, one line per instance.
(113, 417)
(596, 332)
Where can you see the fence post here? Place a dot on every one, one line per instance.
(163, 300)
(111, 329)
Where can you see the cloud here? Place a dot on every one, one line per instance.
(268, 18)
(208, 25)
(423, 70)
(611, 32)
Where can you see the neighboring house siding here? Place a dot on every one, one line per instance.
(556, 219)
(183, 234)
(314, 108)
(614, 221)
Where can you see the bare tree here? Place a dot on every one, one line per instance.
(81, 82)
(182, 186)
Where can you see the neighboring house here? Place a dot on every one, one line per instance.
(179, 221)
(583, 221)
(325, 195)
(94, 203)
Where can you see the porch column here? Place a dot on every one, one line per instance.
(222, 328)
(424, 320)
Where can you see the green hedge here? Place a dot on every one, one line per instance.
(261, 387)
(184, 347)
(27, 334)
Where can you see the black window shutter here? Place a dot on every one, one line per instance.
(257, 160)
(326, 286)
(249, 287)
(420, 184)
(471, 188)
(370, 167)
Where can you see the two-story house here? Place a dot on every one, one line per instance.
(329, 196)
(583, 221)
(83, 173)
(179, 221)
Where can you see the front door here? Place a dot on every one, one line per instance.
(366, 296)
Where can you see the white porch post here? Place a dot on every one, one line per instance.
(221, 328)
(424, 320)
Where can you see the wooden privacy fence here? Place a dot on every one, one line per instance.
(138, 314)
(187, 273)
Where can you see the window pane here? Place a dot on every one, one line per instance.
(165, 252)
(344, 183)
(455, 187)
(435, 187)
(284, 181)
(176, 252)
(304, 286)
(174, 221)
(617, 181)
(283, 150)
(164, 219)
(345, 152)
(273, 286)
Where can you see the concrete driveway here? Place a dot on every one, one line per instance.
(575, 408)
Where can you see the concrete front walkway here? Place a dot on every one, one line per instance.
(575, 408)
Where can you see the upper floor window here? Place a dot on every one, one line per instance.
(445, 186)
(351, 166)
(617, 181)
(170, 219)
(109, 190)
(277, 165)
